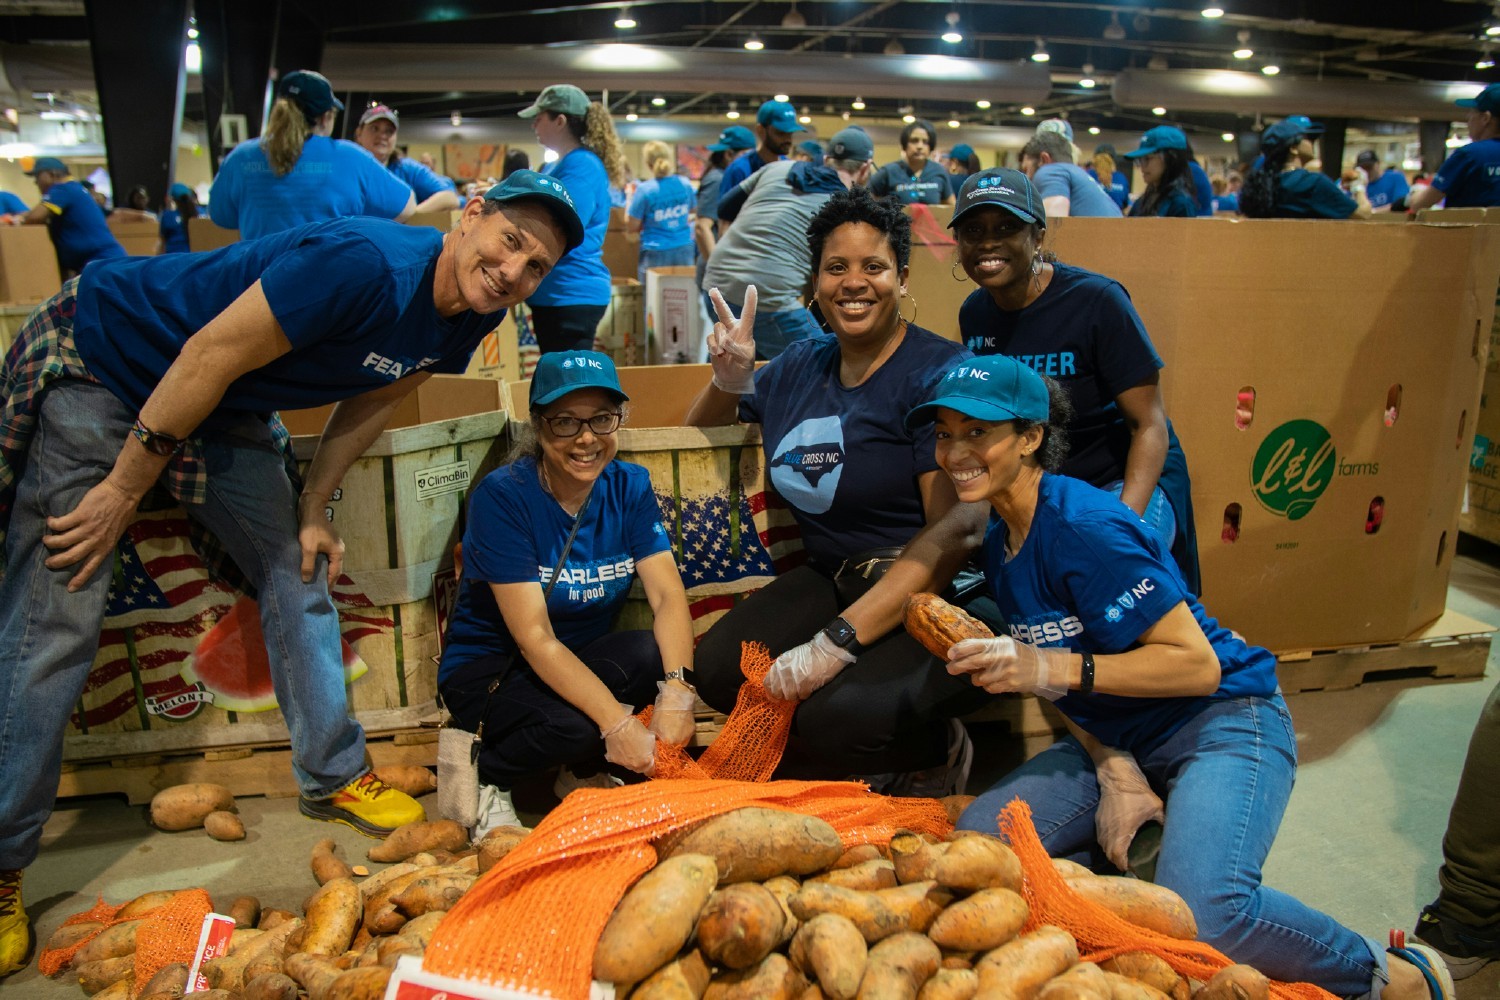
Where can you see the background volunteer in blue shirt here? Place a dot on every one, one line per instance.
(567, 307)
(1114, 182)
(1470, 176)
(860, 486)
(182, 205)
(11, 204)
(544, 673)
(776, 128)
(74, 219)
(376, 132)
(1203, 187)
(914, 179)
(1163, 159)
(295, 173)
(1065, 187)
(1386, 188)
(962, 161)
(164, 369)
(1170, 715)
(662, 212)
(1282, 189)
(1080, 328)
(733, 142)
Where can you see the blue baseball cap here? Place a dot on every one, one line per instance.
(811, 147)
(51, 163)
(1288, 132)
(779, 115)
(963, 152)
(311, 91)
(562, 372)
(735, 137)
(1001, 186)
(1157, 139)
(179, 191)
(550, 192)
(1305, 124)
(994, 387)
(852, 143)
(1487, 99)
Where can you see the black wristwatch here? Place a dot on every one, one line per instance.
(841, 634)
(157, 443)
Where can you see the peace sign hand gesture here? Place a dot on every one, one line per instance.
(731, 345)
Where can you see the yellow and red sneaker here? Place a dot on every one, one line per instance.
(368, 804)
(16, 934)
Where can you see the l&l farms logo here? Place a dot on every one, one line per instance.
(1294, 465)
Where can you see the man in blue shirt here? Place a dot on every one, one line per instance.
(775, 125)
(77, 222)
(1470, 178)
(1065, 187)
(1386, 189)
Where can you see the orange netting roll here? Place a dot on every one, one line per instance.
(1101, 934)
(168, 933)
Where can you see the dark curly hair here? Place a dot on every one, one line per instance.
(1262, 188)
(1054, 447)
(858, 205)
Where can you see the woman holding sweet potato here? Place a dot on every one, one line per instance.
(1170, 713)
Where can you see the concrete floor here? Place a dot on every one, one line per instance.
(1361, 839)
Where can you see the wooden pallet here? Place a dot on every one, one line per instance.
(1454, 646)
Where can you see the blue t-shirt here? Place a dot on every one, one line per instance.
(1304, 194)
(331, 179)
(840, 456)
(1470, 177)
(1090, 576)
(422, 181)
(1389, 188)
(1118, 188)
(354, 297)
(12, 205)
(1084, 332)
(1085, 197)
(515, 533)
(1203, 188)
(174, 233)
(739, 169)
(78, 227)
(1226, 203)
(1177, 202)
(580, 278)
(708, 195)
(895, 180)
(665, 208)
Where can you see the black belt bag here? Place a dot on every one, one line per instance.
(858, 573)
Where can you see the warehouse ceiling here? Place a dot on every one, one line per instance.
(1303, 40)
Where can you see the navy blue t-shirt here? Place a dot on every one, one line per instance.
(78, 227)
(173, 231)
(1305, 194)
(895, 179)
(1091, 576)
(1390, 188)
(738, 169)
(1084, 332)
(515, 533)
(1470, 177)
(840, 456)
(354, 296)
(1177, 203)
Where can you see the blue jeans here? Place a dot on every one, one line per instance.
(48, 637)
(1225, 777)
(676, 257)
(776, 331)
(1159, 517)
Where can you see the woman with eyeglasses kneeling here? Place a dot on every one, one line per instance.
(1170, 714)
(554, 540)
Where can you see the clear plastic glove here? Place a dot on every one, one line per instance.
(731, 345)
(800, 671)
(1126, 802)
(630, 744)
(1003, 665)
(672, 719)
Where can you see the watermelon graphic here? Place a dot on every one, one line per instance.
(231, 663)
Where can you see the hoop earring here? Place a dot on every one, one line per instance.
(913, 320)
(1036, 264)
(953, 270)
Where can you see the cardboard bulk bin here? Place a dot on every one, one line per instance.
(28, 265)
(498, 354)
(139, 238)
(621, 333)
(1324, 380)
(674, 317)
(934, 295)
(621, 251)
(203, 234)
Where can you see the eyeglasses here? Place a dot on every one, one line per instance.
(568, 427)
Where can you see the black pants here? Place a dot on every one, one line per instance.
(887, 712)
(566, 328)
(528, 728)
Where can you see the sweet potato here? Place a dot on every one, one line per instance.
(497, 844)
(857, 855)
(224, 825)
(773, 978)
(937, 625)
(784, 887)
(145, 903)
(325, 863)
(654, 918)
(832, 950)
(980, 862)
(414, 838)
(1070, 869)
(68, 935)
(271, 986)
(1236, 982)
(95, 976)
(958, 959)
(183, 807)
(917, 904)
(954, 805)
(685, 978)
(1150, 969)
(752, 844)
(272, 918)
(1144, 904)
(333, 915)
(357, 984)
(865, 910)
(898, 967)
(950, 984)
(314, 973)
(413, 779)
(217, 995)
(1020, 968)
(1084, 981)
(116, 991)
(866, 876)
(242, 964)
(419, 930)
(1125, 988)
(914, 856)
(985, 920)
(169, 983)
(112, 942)
(245, 910)
(376, 883)
(381, 915)
(740, 925)
(437, 891)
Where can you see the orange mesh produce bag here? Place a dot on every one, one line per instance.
(169, 933)
(1100, 934)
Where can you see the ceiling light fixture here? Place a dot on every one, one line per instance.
(1028, 110)
(793, 18)
(858, 104)
(1087, 83)
(908, 118)
(733, 113)
(982, 104)
(1093, 130)
(754, 44)
(192, 32)
(456, 119)
(952, 36)
(805, 117)
(1270, 69)
(894, 48)
(1244, 51)
(1486, 61)
(783, 98)
(624, 20)
(1212, 12)
(631, 116)
(1493, 30)
(658, 101)
(1227, 137)
(1041, 54)
(1114, 30)
(1158, 111)
(954, 123)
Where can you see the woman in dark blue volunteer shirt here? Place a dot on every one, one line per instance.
(376, 132)
(1081, 329)
(1171, 716)
(1281, 189)
(1165, 167)
(532, 661)
(167, 368)
(662, 213)
(915, 179)
(860, 487)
